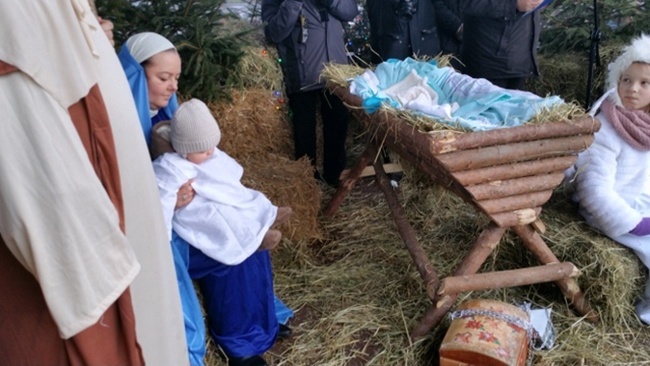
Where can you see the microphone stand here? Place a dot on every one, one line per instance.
(594, 55)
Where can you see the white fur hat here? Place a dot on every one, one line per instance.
(193, 128)
(637, 51)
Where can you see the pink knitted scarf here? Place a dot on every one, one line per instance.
(633, 126)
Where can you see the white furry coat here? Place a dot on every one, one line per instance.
(612, 178)
(612, 182)
(225, 220)
(613, 189)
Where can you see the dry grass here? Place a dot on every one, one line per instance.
(260, 69)
(362, 294)
(255, 121)
(567, 74)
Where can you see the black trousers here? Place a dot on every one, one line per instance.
(510, 83)
(335, 128)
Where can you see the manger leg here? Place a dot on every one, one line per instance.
(482, 248)
(406, 232)
(569, 286)
(348, 183)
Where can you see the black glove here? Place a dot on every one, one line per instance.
(323, 6)
(325, 3)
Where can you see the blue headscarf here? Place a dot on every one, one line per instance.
(138, 83)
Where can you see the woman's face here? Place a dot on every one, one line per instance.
(634, 87)
(162, 70)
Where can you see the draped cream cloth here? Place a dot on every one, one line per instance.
(55, 216)
(156, 299)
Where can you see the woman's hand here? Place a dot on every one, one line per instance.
(185, 194)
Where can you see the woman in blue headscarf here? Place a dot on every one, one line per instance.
(242, 325)
(152, 66)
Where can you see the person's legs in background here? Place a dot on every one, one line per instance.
(303, 119)
(335, 129)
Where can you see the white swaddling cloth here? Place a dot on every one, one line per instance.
(226, 220)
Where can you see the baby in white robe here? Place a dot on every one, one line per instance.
(226, 220)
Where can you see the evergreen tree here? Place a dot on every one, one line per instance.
(568, 24)
(209, 50)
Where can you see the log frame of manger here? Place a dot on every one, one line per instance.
(509, 278)
(508, 174)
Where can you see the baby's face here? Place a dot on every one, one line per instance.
(200, 157)
(634, 87)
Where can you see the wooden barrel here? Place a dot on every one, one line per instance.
(486, 332)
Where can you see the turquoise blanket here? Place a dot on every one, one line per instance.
(448, 96)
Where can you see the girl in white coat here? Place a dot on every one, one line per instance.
(613, 176)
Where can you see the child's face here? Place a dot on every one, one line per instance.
(199, 157)
(634, 87)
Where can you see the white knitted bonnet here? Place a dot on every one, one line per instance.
(193, 128)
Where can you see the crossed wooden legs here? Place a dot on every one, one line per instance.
(550, 271)
(443, 293)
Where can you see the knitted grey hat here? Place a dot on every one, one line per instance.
(193, 129)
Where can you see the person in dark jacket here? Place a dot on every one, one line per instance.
(449, 17)
(500, 41)
(402, 28)
(308, 34)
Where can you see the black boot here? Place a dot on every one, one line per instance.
(256, 360)
(284, 332)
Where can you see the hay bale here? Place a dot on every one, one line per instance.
(259, 69)
(564, 75)
(611, 275)
(286, 182)
(254, 122)
(257, 134)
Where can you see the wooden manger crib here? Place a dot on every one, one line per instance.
(507, 174)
